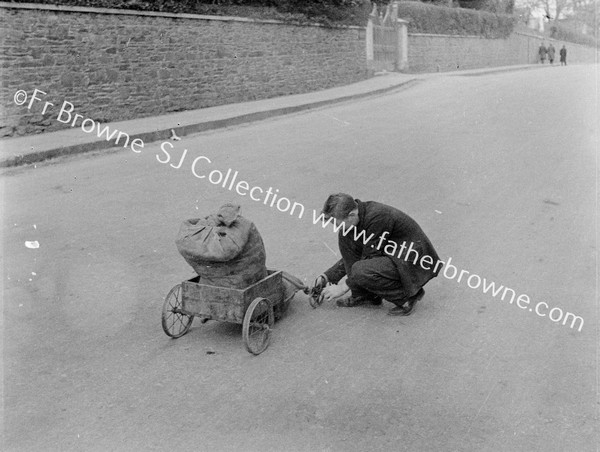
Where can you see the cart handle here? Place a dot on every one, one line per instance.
(293, 280)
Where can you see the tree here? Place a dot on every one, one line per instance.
(552, 9)
(587, 13)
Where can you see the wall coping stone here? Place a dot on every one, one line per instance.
(531, 35)
(131, 12)
(546, 38)
(448, 36)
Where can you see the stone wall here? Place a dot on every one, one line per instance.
(115, 65)
(433, 53)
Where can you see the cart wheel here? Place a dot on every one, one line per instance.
(315, 300)
(174, 322)
(256, 329)
(315, 295)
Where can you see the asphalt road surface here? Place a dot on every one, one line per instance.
(501, 172)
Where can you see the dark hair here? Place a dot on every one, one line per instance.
(339, 206)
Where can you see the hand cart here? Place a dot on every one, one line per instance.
(256, 307)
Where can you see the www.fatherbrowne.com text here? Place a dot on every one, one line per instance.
(473, 280)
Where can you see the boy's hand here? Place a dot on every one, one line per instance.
(319, 284)
(315, 292)
(335, 291)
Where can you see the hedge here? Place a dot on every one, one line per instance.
(327, 12)
(493, 6)
(432, 19)
(562, 33)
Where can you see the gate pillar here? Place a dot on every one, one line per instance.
(370, 40)
(402, 59)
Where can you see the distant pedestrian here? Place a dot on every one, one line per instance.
(563, 56)
(551, 53)
(542, 52)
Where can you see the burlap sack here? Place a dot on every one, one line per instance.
(225, 249)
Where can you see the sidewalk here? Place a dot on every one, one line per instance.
(36, 148)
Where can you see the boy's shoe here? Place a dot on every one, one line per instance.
(358, 301)
(408, 306)
(376, 301)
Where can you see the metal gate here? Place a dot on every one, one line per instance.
(383, 27)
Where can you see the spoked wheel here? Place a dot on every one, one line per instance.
(256, 329)
(174, 322)
(315, 296)
(315, 300)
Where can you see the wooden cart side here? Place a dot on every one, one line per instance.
(214, 302)
(228, 304)
(270, 287)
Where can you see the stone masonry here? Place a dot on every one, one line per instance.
(439, 53)
(114, 65)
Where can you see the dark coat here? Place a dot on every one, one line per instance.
(563, 54)
(376, 218)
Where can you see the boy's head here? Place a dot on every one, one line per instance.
(342, 207)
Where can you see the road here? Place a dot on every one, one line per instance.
(501, 172)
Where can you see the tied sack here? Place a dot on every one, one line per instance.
(224, 249)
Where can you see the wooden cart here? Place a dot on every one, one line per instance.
(255, 307)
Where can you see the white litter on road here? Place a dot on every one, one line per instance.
(33, 245)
